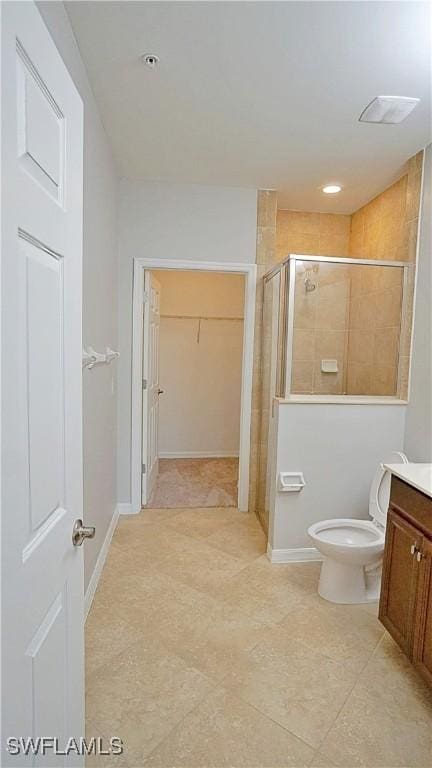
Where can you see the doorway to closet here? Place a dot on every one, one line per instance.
(192, 361)
(194, 364)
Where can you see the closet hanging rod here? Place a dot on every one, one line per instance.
(201, 317)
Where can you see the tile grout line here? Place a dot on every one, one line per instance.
(177, 725)
(350, 692)
(324, 656)
(266, 716)
(213, 687)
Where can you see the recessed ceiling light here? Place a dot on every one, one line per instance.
(331, 189)
(388, 109)
(150, 60)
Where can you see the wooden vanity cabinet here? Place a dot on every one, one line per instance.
(405, 606)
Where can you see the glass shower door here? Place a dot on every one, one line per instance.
(273, 378)
(346, 329)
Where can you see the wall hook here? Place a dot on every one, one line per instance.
(87, 358)
(91, 358)
(111, 355)
(98, 358)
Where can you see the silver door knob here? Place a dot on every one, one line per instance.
(81, 532)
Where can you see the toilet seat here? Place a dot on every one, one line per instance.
(346, 531)
(352, 542)
(379, 495)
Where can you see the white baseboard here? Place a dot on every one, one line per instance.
(198, 454)
(125, 508)
(299, 555)
(100, 562)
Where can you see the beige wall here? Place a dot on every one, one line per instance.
(312, 234)
(386, 228)
(378, 230)
(200, 363)
(374, 330)
(320, 328)
(353, 316)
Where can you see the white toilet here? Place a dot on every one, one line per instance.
(353, 549)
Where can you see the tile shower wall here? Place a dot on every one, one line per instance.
(378, 229)
(312, 234)
(321, 322)
(374, 330)
(386, 228)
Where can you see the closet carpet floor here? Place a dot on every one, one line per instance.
(195, 483)
(202, 654)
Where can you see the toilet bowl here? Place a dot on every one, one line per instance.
(353, 549)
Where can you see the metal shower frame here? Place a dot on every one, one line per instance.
(287, 269)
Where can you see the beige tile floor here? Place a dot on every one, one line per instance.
(200, 654)
(196, 483)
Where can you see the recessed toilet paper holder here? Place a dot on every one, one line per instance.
(291, 482)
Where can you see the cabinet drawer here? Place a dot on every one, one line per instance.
(412, 504)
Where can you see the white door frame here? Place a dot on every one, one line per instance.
(249, 271)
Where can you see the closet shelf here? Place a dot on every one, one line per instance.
(199, 318)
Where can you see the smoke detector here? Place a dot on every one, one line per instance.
(388, 109)
(150, 60)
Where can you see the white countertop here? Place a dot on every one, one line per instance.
(340, 400)
(417, 475)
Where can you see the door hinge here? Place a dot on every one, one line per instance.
(143, 469)
(145, 297)
(144, 383)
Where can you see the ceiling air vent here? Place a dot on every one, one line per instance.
(388, 109)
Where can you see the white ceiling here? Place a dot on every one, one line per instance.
(259, 94)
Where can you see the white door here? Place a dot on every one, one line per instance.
(41, 250)
(151, 390)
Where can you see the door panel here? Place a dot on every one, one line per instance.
(40, 126)
(41, 241)
(48, 657)
(150, 439)
(44, 287)
(400, 577)
(423, 623)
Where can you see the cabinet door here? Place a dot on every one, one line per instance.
(423, 623)
(399, 581)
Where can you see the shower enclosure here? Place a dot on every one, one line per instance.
(333, 328)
